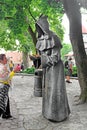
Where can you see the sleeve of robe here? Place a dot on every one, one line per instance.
(52, 59)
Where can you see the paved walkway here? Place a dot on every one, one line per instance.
(27, 109)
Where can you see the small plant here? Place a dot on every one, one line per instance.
(65, 70)
(74, 71)
(29, 70)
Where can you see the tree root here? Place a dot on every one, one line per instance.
(79, 102)
(77, 97)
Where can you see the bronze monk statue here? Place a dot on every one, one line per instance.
(54, 103)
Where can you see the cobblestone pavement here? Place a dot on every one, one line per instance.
(26, 108)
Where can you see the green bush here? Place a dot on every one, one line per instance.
(74, 71)
(65, 70)
(29, 70)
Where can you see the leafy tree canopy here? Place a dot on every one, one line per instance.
(16, 16)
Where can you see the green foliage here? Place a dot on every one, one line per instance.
(40, 7)
(19, 14)
(74, 71)
(6, 38)
(66, 49)
(65, 70)
(29, 70)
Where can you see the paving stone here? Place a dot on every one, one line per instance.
(27, 109)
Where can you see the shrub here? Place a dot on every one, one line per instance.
(74, 71)
(29, 70)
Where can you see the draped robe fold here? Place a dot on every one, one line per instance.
(54, 103)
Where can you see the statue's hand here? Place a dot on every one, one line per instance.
(45, 61)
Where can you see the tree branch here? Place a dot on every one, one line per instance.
(2, 3)
(33, 35)
(32, 15)
(8, 18)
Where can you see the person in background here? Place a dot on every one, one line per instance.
(68, 67)
(5, 78)
(18, 67)
(11, 65)
(22, 66)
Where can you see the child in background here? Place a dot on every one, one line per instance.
(18, 67)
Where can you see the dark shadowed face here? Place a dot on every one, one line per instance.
(39, 31)
(3, 60)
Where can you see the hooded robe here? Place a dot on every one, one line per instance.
(54, 98)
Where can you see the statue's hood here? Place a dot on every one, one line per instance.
(49, 39)
(43, 24)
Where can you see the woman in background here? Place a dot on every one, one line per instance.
(11, 65)
(5, 79)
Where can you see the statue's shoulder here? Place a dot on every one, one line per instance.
(53, 34)
(56, 39)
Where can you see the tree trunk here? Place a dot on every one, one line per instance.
(25, 59)
(73, 12)
(33, 35)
